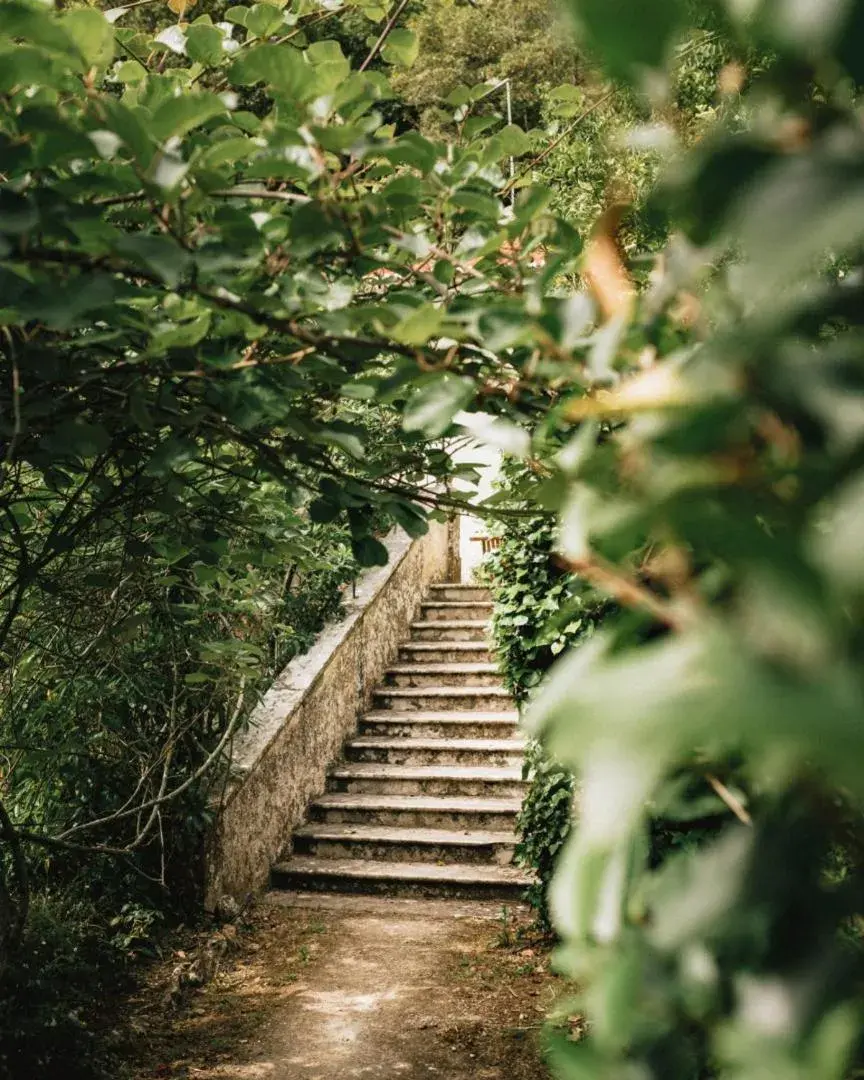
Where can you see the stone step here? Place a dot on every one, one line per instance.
(420, 811)
(448, 675)
(400, 878)
(452, 591)
(425, 751)
(365, 778)
(450, 630)
(446, 698)
(377, 842)
(469, 725)
(449, 610)
(445, 652)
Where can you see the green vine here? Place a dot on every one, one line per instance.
(539, 611)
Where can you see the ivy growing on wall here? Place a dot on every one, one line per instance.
(540, 609)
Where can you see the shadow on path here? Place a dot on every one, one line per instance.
(387, 990)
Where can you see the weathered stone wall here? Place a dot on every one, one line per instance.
(454, 555)
(298, 730)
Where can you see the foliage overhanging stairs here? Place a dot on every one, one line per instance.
(426, 796)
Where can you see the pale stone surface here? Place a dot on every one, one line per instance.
(281, 762)
(469, 875)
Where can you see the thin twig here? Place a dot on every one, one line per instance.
(16, 399)
(161, 800)
(624, 589)
(261, 193)
(732, 801)
(385, 33)
(534, 162)
(239, 192)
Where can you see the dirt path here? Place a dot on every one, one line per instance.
(328, 988)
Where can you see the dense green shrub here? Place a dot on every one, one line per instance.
(66, 963)
(208, 239)
(540, 609)
(128, 664)
(484, 42)
(544, 823)
(130, 661)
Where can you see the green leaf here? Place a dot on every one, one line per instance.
(72, 303)
(630, 37)
(370, 552)
(158, 254)
(412, 149)
(78, 437)
(458, 97)
(204, 44)
(477, 204)
(323, 512)
(432, 407)
(569, 100)
(315, 227)
(130, 71)
(237, 15)
(402, 48)
(262, 20)
(332, 69)
(417, 328)
(130, 126)
(801, 208)
(808, 30)
(181, 114)
(345, 440)
(280, 67)
(227, 151)
(410, 518)
(25, 65)
(37, 25)
(512, 141)
(93, 35)
(18, 214)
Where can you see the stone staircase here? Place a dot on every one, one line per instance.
(425, 799)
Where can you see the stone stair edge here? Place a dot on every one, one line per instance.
(439, 646)
(441, 691)
(419, 716)
(458, 604)
(395, 834)
(454, 803)
(403, 871)
(444, 667)
(451, 624)
(374, 770)
(389, 742)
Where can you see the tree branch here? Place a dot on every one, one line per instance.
(389, 26)
(624, 589)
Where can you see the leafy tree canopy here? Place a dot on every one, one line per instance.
(464, 44)
(209, 236)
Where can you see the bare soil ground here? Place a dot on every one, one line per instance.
(316, 988)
